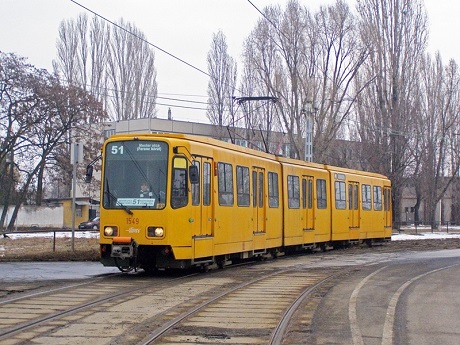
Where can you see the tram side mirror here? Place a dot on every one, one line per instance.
(193, 174)
(89, 173)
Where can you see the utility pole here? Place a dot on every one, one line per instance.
(308, 111)
(76, 156)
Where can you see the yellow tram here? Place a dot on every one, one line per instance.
(176, 201)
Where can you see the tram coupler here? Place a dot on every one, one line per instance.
(123, 247)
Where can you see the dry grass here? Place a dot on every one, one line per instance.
(87, 249)
(43, 249)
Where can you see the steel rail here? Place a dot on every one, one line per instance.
(278, 333)
(4, 334)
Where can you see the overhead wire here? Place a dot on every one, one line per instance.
(180, 106)
(166, 52)
(106, 89)
(140, 38)
(268, 20)
(158, 48)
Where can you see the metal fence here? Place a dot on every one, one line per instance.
(36, 230)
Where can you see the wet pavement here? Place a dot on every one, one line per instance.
(32, 271)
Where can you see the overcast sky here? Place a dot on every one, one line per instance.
(182, 27)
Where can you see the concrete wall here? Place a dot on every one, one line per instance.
(40, 216)
(57, 214)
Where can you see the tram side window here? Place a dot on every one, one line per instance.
(340, 195)
(293, 191)
(377, 198)
(207, 184)
(242, 186)
(366, 196)
(225, 182)
(196, 187)
(273, 194)
(321, 194)
(179, 183)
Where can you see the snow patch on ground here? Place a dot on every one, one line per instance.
(58, 234)
(424, 236)
(406, 234)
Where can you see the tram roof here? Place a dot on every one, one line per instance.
(234, 147)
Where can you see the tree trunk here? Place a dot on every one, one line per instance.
(39, 195)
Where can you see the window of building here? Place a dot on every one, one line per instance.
(108, 133)
(241, 142)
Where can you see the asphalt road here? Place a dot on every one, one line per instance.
(32, 271)
(413, 299)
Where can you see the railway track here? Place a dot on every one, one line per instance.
(275, 302)
(248, 302)
(257, 311)
(23, 318)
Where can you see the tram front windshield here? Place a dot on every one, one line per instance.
(135, 175)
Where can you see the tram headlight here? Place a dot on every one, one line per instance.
(110, 231)
(155, 231)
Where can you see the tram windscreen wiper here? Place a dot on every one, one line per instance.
(113, 197)
(124, 207)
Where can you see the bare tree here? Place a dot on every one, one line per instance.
(17, 114)
(337, 54)
(115, 65)
(273, 54)
(67, 52)
(438, 123)
(36, 115)
(303, 59)
(395, 34)
(223, 71)
(259, 118)
(131, 73)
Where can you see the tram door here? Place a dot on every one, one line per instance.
(202, 196)
(307, 202)
(353, 205)
(387, 206)
(258, 202)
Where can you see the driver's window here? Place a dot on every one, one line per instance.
(179, 196)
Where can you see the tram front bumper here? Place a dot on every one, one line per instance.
(123, 248)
